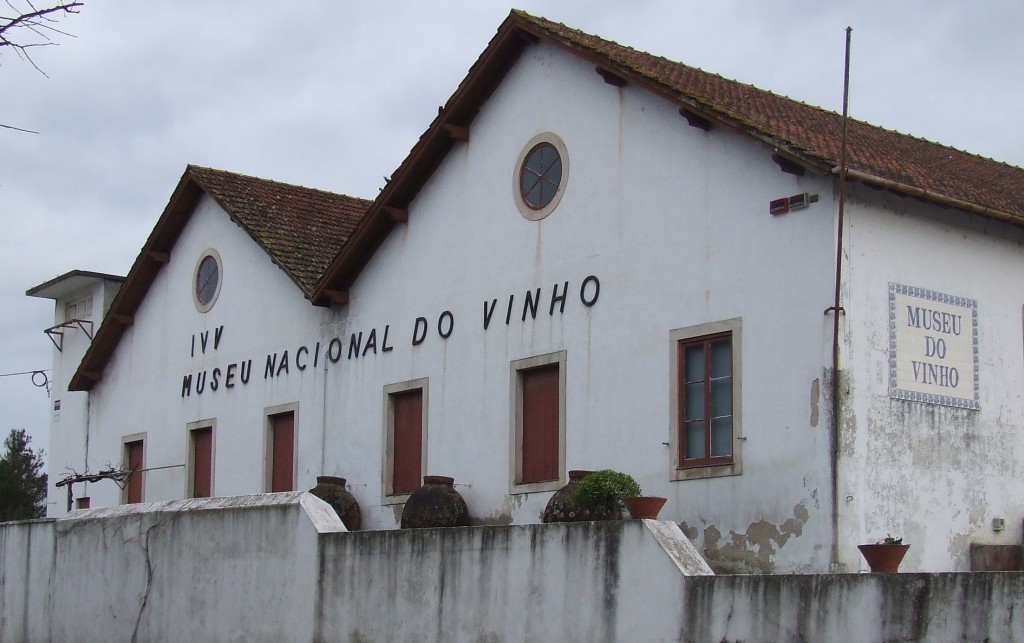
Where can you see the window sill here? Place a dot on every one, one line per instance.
(710, 471)
(537, 487)
(395, 500)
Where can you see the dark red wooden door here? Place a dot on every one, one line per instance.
(407, 416)
(134, 451)
(202, 463)
(540, 424)
(283, 451)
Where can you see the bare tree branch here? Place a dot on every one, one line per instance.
(33, 28)
(30, 28)
(18, 129)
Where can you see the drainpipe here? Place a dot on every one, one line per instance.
(837, 309)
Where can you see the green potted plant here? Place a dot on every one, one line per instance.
(608, 491)
(884, 556)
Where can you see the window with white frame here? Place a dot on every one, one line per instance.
(405, 438)
(200, 459)
(134, 460)
(538, 425)
(705, 396)
(280, 447)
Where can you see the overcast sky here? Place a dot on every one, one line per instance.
(333, 94)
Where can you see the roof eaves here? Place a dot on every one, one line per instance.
(658, 86)
(936, 197)
(433, 145)
(144, 270)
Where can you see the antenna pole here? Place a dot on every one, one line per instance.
(837, 308)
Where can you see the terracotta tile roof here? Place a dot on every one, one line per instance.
(300, 228)
(814, 133)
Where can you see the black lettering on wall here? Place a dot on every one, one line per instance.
(508, 311)
(595, 286)
(354, 344)
(555, 297)
(531, 304)
(298, 355)
(384, 348)
(200, 382)
(316, 354)
(419, 331)
(332, 354)
(283, 366)
(270, 368)
(371, 342)
(229, 376)
(216, 336)
(441, 324)
(215, 380)
(203, 338)
(186, 385)
(488, 313)
(246, 371)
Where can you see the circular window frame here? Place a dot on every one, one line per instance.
(525, 209)
(213, 254)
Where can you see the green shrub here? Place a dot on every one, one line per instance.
(604, 490)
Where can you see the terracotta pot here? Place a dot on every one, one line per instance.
(883, 558)
(644, 507)
(562, 508)
(332, 490)
(435, 504)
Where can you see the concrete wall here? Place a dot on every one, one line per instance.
(185, 570)
(26, 579)
(280, 568)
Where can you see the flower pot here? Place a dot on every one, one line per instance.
(883, 558)
(644, 507)
(435, 504)
(332, 491)
(562, 507)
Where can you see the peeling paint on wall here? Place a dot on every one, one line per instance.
(752, 551)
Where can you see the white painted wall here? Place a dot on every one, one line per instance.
(933, 474)
(262, 312)
(68, 443)
(674, 223)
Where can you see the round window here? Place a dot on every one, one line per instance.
(207, 281)
(541, 174)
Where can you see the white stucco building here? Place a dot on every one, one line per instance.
(593, 258)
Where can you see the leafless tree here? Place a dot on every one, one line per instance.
(31, 26)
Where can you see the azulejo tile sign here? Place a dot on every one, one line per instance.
(933, 347)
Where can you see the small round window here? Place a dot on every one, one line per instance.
(541, 174)
(206, 286)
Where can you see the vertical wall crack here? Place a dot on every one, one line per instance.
(144, 543)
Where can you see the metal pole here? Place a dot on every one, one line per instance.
(837, 309)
